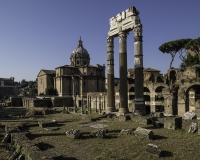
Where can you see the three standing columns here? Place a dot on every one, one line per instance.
(110, 75)
(138, 65)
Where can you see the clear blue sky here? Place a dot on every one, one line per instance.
(41, 34)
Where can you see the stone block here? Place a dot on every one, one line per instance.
(51, 128)
(173, 122)
(189, 115)
(157, 114)
(45, 124)
(186, 123)
(153, 150)
(144, 133)
(141, 119)
(73, 133)
(123, 118)
(157, 124)
(99, 133)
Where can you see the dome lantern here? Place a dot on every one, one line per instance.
(80, 56)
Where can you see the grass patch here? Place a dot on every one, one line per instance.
(177, 144)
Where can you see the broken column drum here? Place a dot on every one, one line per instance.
(120, 26)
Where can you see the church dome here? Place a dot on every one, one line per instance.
(80, 55)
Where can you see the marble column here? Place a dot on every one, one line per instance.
(123, 73)
(110, 75)
(90, 108)
(138, 65)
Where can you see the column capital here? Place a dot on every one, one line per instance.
(122, 36)
(138, 33)
(110, 41)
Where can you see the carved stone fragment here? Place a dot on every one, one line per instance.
(193, 127)
(126, 131)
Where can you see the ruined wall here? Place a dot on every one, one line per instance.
(60, 101)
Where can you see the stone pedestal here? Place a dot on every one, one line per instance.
(173, 122)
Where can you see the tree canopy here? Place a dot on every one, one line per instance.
(51, 91)
(172, 47)
(191, 60)
(194, 45)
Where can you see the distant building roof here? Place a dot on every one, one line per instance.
(145, 70)
(49, 71)
(4, 79)
(71, 66)
(150, 70)
(44, 71)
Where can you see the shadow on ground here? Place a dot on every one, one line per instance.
(166, 154)
(12, 111)
(158, 137)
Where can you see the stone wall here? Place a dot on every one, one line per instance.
(34, 102)
(60, 101)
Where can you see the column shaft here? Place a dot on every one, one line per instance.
(110, 76)
(123, 72)
(138, 64)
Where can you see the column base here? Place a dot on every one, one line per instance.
(139, 113)
(123, 110)
(110, 109)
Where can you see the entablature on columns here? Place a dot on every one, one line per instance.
(124, 22)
